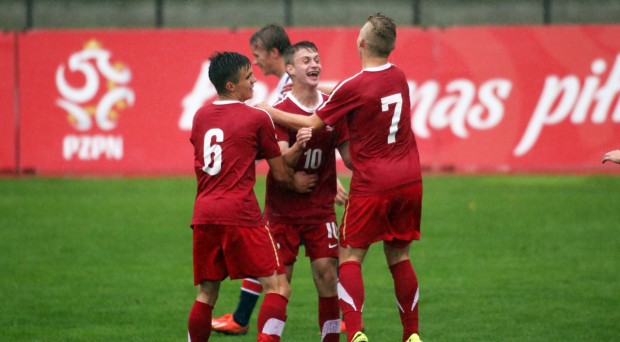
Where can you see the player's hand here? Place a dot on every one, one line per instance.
(303, 136)
(305, 182)
(613, 156)
(341, 193)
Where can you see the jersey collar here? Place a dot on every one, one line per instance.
(301, 106)
(225, 102)
(379, 68)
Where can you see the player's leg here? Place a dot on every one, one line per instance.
(250, 293)
(321, 242)
(272, 314)
(324, 273)
(405, 287)
(266, 265)
(351, 288)
(363, 223)
(405, 206)
(209, 263)
(237, 323)
(199, 328)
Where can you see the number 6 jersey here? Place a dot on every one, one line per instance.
(228, 136)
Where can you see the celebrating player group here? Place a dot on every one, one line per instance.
(365, 117)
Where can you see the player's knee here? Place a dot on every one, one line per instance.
(325, 276)
(283, 288)
(276, 284)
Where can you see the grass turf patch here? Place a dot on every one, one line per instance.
(502, 258)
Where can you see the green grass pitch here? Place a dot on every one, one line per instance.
(502, 258)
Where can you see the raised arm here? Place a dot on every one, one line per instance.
(292, 121)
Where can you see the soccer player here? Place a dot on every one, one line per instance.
(309, 217)
(267, 45)
(227, 136)
(385, 199)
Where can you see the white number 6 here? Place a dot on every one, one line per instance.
(385, 103)
(215, 150)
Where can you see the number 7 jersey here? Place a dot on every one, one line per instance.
(375, 104)
(228, 136)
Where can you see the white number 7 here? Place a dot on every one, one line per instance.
(385, 103)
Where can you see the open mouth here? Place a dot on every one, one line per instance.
(313, 74)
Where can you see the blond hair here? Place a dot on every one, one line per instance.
(381, 36)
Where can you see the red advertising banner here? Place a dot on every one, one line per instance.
(488, 99)
(7, 103)
(519, 98)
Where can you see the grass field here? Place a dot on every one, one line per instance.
(502, 258)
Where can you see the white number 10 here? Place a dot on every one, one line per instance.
(213, 153)
(396, 99)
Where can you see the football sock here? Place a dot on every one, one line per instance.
(407, 294)
(199, 324)
(250, 292)
(351, 296)
(329, 319)
(271, 317)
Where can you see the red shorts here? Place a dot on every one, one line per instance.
(320, 240)
(237, 252)
(393, 217)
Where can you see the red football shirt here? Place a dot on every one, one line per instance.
(228, 136)
(375, 104)
(319, 157)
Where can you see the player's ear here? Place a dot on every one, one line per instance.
(290, 69)
(274, 52)
(362, 43)
(230, 86)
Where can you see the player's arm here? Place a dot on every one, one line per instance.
(321, 87)
(291, 154)
(341, 193)
(290, 120)
(325, 89)
(613, 156)
(343, 149)
(299, 182)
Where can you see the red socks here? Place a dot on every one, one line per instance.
(329, 319)
(406, 288)
(251, 285)
(199, 325)
(351, 296)
(271, 317)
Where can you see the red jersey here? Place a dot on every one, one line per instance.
(318, 157)
(228, 136)
(375, 105)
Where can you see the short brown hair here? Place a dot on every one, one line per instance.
(271, 36)
(289, 52)
(382, 36)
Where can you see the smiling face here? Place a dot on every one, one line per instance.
(306, 67)
(266, 60)
(243, 90)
